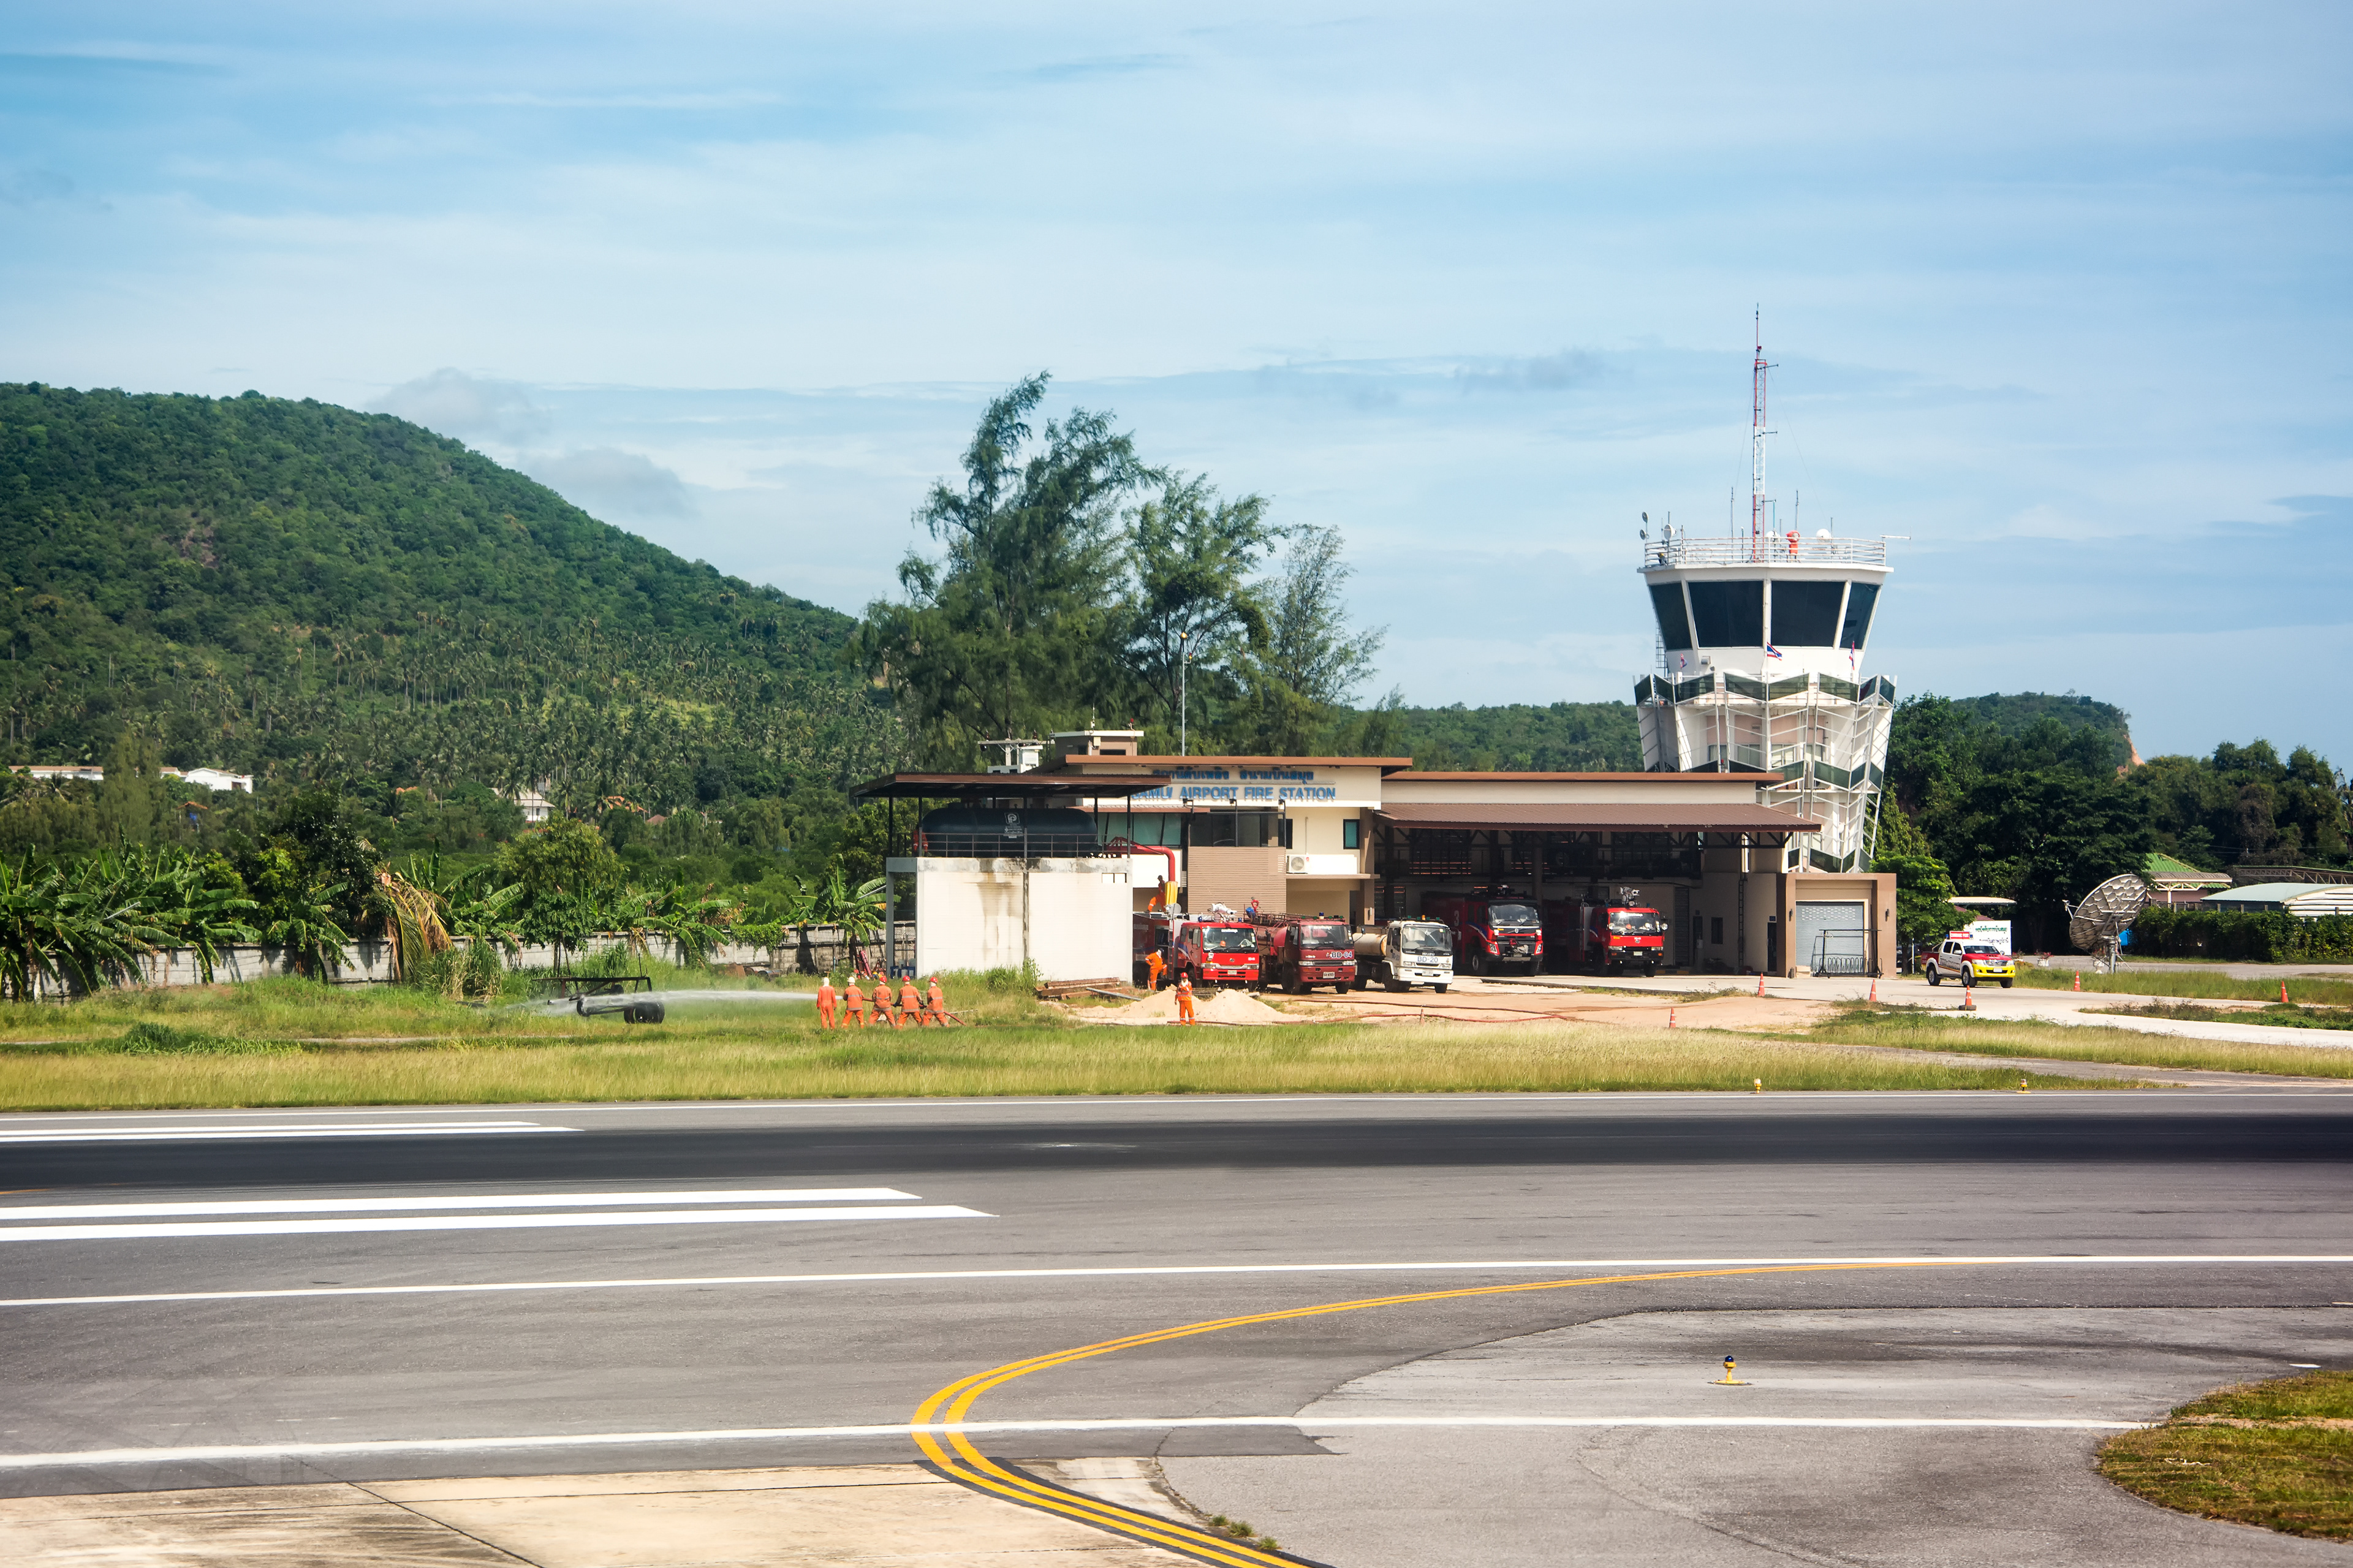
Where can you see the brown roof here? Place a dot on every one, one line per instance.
(985, 787)
(1664, 816)
(1596, 778)
(1386, 764)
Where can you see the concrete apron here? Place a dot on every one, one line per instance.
(848, 1516)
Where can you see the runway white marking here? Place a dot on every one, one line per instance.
(1157, 1424)
(205, 1230)
(281, 1130)
(456, 1201)
(918, 1276)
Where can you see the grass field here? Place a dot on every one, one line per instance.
(2292, 1015)
(290, 1042)
(2257, 1454)
(1926, 1031)
(2200, 984)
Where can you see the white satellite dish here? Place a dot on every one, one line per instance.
(2106, 913)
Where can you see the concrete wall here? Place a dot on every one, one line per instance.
(1073, 919)
(371, 962)
(1233, 878)
(1875, 890)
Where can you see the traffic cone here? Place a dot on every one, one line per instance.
(1671, 1018)
(1761, 983)
(2283, 993)
(2079, 980)
(1875, 988)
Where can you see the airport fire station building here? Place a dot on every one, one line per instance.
(1369, 837)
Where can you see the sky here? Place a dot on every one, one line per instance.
(2056, 295)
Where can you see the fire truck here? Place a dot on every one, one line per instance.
(1297, 952)
(1491, 931)
(1614, 937)
(1217, 949)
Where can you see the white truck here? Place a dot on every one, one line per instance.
(1403, 954)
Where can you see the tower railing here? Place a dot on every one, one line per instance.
(1770, 550)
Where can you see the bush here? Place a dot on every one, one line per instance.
(2249, 936)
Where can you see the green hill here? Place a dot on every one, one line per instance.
(1562, 736)
(294, 589)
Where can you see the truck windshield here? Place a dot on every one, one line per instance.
(1515, 916)
(1636, 922)
(1425, 939)
(1226, 938)
(1321, 935)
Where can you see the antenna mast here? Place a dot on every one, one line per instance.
(1756, 434)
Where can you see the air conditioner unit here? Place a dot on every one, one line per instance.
(1295, 864)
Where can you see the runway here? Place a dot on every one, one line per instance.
(233, 1298)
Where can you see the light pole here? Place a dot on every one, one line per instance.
(1184, 658)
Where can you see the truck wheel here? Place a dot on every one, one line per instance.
(1651, 972)
(1440, 988)
(2006, 983)
(1935, 977)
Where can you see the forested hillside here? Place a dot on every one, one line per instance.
(300, 591)
(1519, 737)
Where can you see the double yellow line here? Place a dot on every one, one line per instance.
(943, 1415)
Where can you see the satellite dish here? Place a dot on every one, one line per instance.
(2106, 913)
(1821, 534)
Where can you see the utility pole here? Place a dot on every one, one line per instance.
(1183, 660)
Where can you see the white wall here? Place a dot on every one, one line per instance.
(970, 914)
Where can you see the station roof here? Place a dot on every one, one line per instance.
(1386, 764)
(1004, 786)
(1563, 816)
(1745, 777)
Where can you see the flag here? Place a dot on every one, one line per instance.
(1772, 652)
(1851, 650)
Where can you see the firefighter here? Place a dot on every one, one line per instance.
(1153, 964)
(938, 1013)
(824, 1000)
(910, 1005)
(881, 1001)
(857, 1000)
(1185, 998)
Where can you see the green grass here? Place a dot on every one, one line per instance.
(2290, 1016)
(2270, 1472)
(1861, 1025)
(2208, 987)
(760, 1051)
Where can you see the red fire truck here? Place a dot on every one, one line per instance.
(1611, 937)
(1297, 952)
(1218, 949)
(1491, 931)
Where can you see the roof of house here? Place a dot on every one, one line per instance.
(1664, 817)
(2163, 868)
(2302, 898)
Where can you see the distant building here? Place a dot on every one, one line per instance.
(2307, 900)
(2172, 881)
(62, 773)
(535, 806)
(214, 779)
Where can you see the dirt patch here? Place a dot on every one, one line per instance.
(1209, 1006)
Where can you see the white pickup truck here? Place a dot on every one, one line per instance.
(1403, 954)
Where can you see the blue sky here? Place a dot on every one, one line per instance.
(2058, 292)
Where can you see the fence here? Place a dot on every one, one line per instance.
(813, 950)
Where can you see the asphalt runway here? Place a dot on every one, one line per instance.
(265, 1297)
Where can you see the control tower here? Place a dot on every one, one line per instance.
(1763, 642)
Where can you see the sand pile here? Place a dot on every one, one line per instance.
(1209, 1006)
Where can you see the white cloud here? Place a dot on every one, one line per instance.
(608, 483)
(474, 409)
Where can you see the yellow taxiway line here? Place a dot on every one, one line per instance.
(943, 1415)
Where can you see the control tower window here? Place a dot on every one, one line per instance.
(1857, 630)
(1728, 614)
(1805, 613)
(1674, 627)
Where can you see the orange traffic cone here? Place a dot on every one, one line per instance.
(1875, 988)
(2283, 993)
(2079, 980)
(1761, 983)
(1671, 1018)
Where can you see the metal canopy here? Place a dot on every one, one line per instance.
(1563, 816)
(1037, 787)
